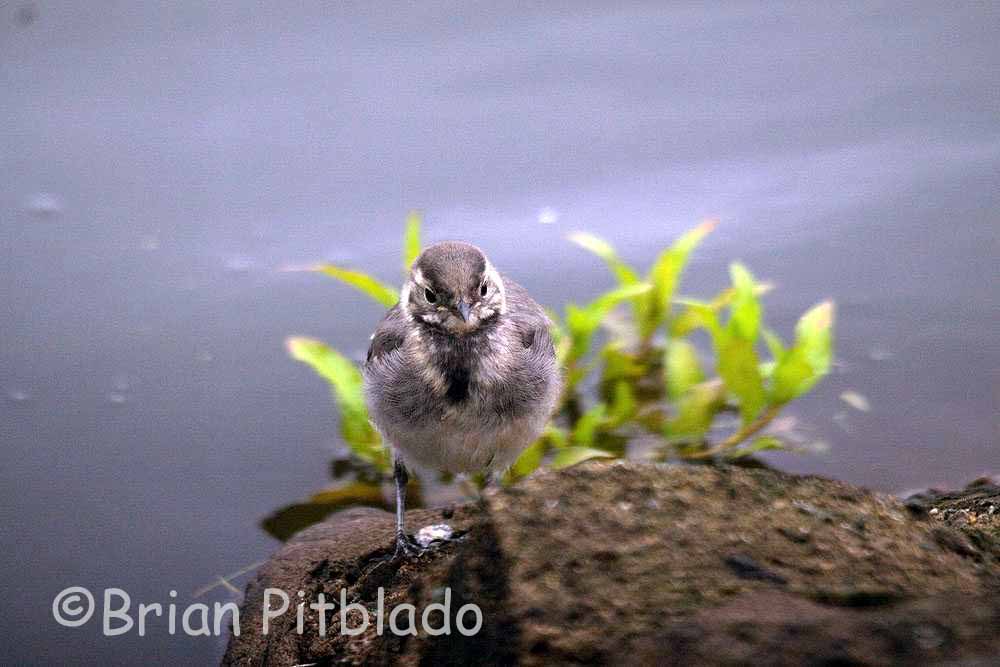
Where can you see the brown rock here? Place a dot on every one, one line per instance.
(627, 563)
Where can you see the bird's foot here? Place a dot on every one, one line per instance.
(406, 548)
(429, 539)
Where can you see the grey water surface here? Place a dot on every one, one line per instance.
(162, 165)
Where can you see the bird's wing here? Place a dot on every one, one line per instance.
(529, 317)
(388, 336)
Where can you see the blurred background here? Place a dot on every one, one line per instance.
(163, 164)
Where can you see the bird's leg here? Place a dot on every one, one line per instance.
(492, 480)
(404, 544)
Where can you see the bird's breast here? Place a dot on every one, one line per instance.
(454, 363)
(456, 379)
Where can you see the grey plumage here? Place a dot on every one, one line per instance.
(466, 400)
(461, 374)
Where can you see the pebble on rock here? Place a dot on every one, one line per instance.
(433, 533)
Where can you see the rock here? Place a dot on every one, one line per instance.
(971, 511)
(745, 567)
(647, 564)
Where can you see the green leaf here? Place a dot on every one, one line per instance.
(599, 308)
(342, 374)
(582, 323)
(411, 240)
(561, 339)
(578, 326)
(570, 456)
(682, 367)
(625, 274)
(620, 364)
(745, 311)
(585, 430)
(687, 321)
(740, 370)
(792, 376)
(691, 318)
(809, 359)
(573, 376)
(623, 403)
(528, 461)
(362, 282)
(695, 411)
(576, 319)
(761, 444)
(814, 332)
(698, 314)
(357, 492)
(774, 344)
(555, 436)
(777, 348)
(348, 393)
(665, 274)
(738, 364)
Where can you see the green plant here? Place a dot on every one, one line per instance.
(345, 381)
(574, 334)
(652, 307)
(343, 374)
(653, 376)
(679, 400)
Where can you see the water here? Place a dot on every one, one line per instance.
(163, 165)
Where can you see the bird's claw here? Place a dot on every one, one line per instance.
(406, 547)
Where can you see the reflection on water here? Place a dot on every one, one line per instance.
(18, 395)
(355, 484)
(43, 205)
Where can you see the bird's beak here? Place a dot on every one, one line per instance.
(463, 310)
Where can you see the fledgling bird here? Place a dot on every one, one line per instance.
(461, 374)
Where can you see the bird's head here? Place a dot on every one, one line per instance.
(453, 287)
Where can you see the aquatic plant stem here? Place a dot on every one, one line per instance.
(739, 436)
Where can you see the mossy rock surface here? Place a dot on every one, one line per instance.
(627, 563)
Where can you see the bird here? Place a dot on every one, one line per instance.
(461, 374)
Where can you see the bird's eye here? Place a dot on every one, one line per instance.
(430, 296)
(483, 289)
